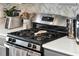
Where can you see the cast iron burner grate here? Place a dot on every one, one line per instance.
(28, 35)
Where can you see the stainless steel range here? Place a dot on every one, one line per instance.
(46, 28)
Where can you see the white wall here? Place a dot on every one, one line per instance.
(1, 11)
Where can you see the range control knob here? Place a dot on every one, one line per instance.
(34, 46)
(9, 39)
(13, 40)
(29, 45)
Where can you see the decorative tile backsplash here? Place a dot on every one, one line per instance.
(65, 9)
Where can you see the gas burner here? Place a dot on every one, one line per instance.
(24, 33)
(27, 33)
(44, 36)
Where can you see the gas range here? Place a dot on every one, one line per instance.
(29, 36)
(33, 39)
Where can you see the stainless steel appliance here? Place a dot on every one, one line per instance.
(13, 22)
(71, 27)
(77, 29)
(31, 40)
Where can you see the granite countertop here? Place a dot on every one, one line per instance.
(64, 45)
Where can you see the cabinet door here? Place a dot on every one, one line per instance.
(2, 51)
(2, 40)
(2, 47)
(53, 53)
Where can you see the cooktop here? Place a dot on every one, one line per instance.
(40, 38)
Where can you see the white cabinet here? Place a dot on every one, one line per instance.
(2, 47)
(2, 51)
(2, 40)
(48, 52)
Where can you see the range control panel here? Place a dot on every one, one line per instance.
(24, 43)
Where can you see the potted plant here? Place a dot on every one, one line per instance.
(12, 18)
(27, 19)
(10, 12)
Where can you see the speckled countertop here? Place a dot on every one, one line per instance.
(64, 45)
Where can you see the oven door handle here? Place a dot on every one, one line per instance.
(8, 46)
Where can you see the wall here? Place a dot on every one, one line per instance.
(1, 10)
(64, 9)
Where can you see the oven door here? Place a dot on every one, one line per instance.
(14, 50)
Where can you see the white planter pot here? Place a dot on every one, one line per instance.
(27, 24)
(13, 22)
